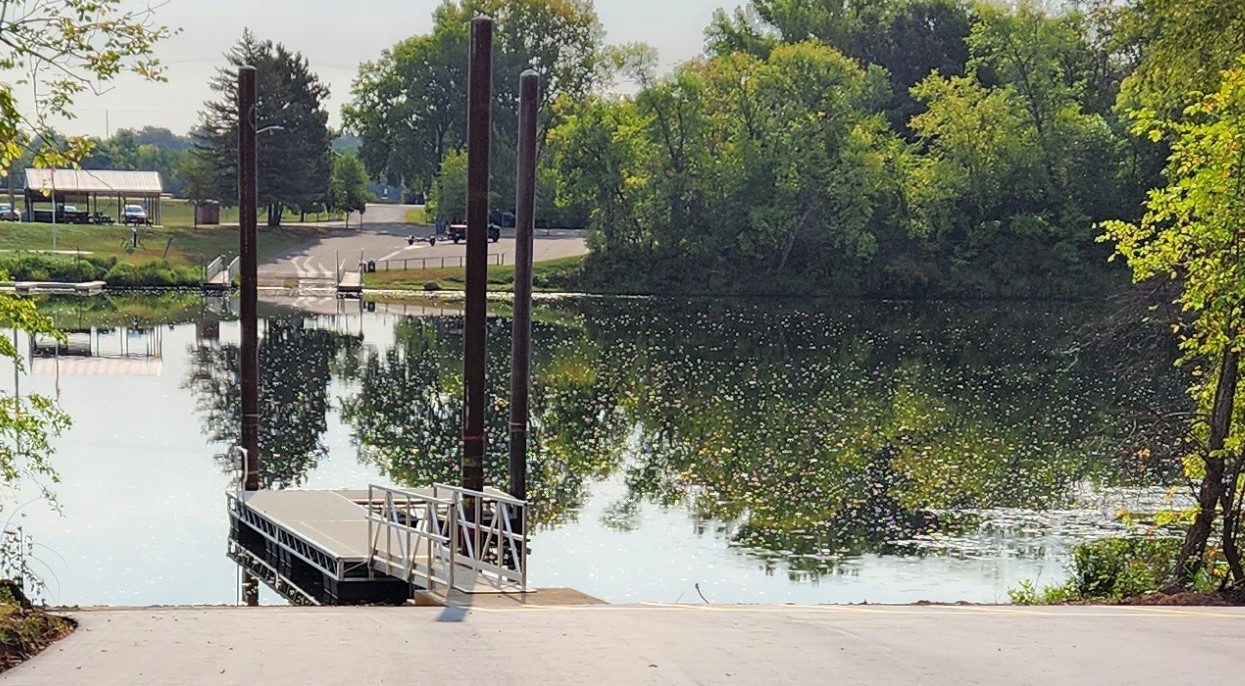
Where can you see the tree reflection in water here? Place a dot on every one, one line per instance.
(407, 416)
(296, 361)
(804, 434)
(826, 433)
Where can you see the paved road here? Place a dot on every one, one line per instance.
(930, 646)
(383, 237)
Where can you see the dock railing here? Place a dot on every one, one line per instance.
(449, 537)
(493, 534)
(413, 535)
(213, 268)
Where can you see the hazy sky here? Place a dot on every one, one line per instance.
(335, 37)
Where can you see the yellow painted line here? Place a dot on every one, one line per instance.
(897, 610)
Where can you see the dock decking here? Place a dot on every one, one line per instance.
(351, 284)
(55, 287)
(219, 276)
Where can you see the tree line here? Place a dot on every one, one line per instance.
(901, 147)
(906, 147)
(888, 147)
(299, 171)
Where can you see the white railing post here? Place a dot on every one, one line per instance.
(453, 523)
(371, 541)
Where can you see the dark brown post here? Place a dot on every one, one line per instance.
(247, 217)
(525, 222)
(479, 124)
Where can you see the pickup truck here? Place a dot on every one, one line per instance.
(458, 232)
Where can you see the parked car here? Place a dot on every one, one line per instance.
(71, 215)
(458, 232)
(8, 213)
(134, 214)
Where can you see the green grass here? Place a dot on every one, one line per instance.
(417, 215)
(181, 246)
(551, 275)
(1114, 570)
(181, 214)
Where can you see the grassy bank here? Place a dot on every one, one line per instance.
(1131, 571)
(25, 630)
(551, 275)
(82, 251)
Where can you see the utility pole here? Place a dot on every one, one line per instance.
(479, 131)
(247, 219)
(525, 223)
(247, 229)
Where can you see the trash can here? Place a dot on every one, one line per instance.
(371, 266)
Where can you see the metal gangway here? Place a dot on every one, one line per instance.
(379, 545)
(219, 276)
(447, 538)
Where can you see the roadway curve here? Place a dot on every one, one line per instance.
(384, 237)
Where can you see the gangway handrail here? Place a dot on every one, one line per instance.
(213, 268)
(482, 532)
(407, 518)
(495, 547)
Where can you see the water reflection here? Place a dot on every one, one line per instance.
(709, 440)
(407, 416)
(296, 361)
(805, 434)
(821, 434)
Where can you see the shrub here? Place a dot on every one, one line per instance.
(160, 273)
(1110, 570)
(1118, 568)
(27, 266)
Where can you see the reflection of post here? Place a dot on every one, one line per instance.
(479, 124)
(521, 347)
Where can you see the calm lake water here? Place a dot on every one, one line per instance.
(768, 452)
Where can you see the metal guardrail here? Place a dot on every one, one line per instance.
(414, 528)
(213, 268)
(434, 535)
(498, 259)
(494, 527)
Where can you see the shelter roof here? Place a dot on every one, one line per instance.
(104, 181)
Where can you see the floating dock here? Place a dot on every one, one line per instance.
(351, 285)
(55, 287)
(219, 276)
(382, 545)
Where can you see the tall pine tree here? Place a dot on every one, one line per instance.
(294, 154)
